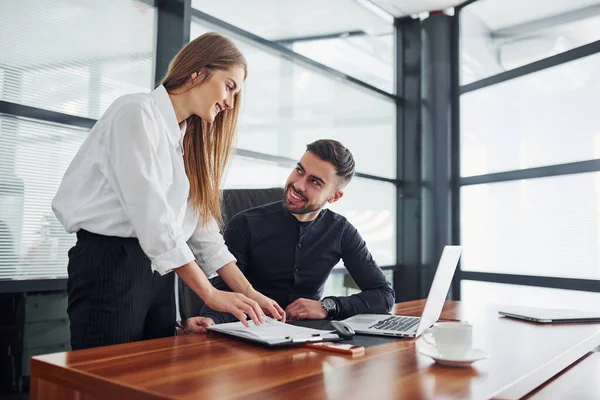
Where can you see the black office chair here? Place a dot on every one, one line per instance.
(234, 201)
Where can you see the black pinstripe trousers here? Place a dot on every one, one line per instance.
(113, 294)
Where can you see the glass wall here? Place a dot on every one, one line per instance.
(73, 59)
(529, 147)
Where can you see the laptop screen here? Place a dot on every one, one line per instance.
(439, 287)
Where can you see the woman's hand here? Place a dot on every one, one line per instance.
(269, 306)
(236, 304)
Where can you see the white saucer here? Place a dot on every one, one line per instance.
(464, 360)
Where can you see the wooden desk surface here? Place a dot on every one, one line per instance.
(523, 356)
(579, 381)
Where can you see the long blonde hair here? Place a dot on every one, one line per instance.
(206, 147)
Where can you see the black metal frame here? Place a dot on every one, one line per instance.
(339, 35)
(32, 285)
(463, 5)
(589, 285)
(567, 56)
(173, 31)
(537, 172)
(584, 285)
(407, 277)
(455, 141)
(39, 114)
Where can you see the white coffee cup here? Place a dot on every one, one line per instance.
(452, 339)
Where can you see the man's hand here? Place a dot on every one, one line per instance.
(305, 309)
(269, 306)
(196, 325)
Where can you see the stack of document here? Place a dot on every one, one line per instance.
(272, 332)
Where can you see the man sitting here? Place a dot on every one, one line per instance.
(287, 249)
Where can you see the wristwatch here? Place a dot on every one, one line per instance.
(330, 305)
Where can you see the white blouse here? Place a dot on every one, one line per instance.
(128, 180)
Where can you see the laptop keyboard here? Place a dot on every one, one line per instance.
(398, 324)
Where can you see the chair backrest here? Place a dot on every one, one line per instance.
(238, 200)
(234, 201)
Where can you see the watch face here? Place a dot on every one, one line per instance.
(329, 304)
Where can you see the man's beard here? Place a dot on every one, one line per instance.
(300, 208)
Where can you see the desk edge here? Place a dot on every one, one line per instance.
(543, 373)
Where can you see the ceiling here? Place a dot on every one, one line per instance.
(401, 8)
(516, 12)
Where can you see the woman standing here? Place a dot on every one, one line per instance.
(143, 194)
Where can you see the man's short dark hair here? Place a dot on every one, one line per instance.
(337, 154)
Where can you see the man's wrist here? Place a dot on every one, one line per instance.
(331, 307)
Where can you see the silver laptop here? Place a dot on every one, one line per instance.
(401, 326)
(548, 315)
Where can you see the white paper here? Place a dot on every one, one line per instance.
(270, 331)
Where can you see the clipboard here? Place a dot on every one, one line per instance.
(272, 333)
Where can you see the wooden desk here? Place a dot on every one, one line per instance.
(579, 381)
(523, 356)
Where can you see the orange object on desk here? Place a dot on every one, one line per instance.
(350, 349)
(451, 320)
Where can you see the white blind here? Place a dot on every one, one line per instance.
(75, 56)
(35, 156)
(69, 56)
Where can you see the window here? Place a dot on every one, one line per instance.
(70, 57)
(253, 173)
(538, 123)
(342, 284)
(366, 57)
(373, 215)
(498, 36)
(33, 244)
(341, 34)
(548, 117)
(76, 58)
(544, 226)
(285, 106)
